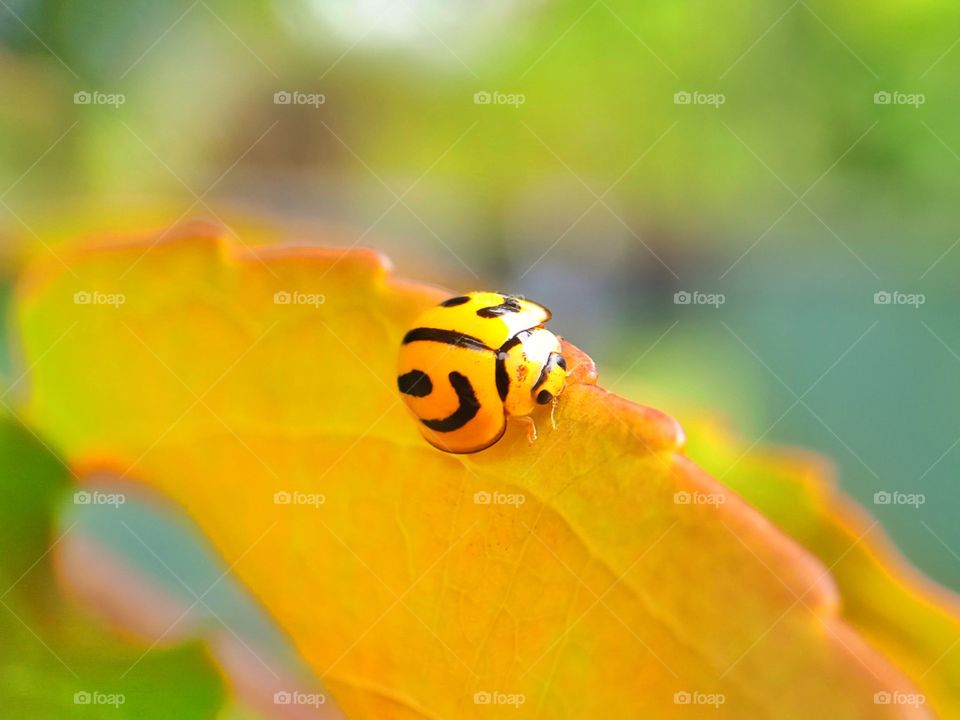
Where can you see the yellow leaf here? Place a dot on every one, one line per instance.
(900, 612)
(594, 574)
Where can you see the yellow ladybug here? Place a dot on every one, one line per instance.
(473, 361)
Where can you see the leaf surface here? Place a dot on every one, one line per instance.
(595, 573)
(57, 661)
(884, 598)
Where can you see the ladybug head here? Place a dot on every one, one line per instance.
(551, 380)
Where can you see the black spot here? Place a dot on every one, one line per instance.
(544, 396)
(454, 301)
(561, 363)
(510, 304)
(448, 337)
(467, 409)
(416, 383)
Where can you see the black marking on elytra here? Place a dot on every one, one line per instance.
(544, 396)
(502, 377)
(454, 301)
(467, 408)
(562, 363)
(448, 337)
(501, 374)
(416, 383)
(510, 304)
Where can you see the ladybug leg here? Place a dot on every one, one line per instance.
(531, 428)
(553, 412)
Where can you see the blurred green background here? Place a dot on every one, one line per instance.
(794, 158)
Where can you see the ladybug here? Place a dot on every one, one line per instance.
(473, 361)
